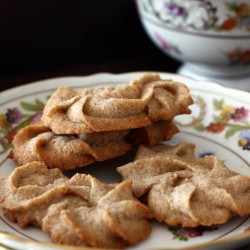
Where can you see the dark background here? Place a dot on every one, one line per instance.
(49, 38)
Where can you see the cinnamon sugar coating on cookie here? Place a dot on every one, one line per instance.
(185, 190)
(38, 143)
(143, 101)
(77, 211)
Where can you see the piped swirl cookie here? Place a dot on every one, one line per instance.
(77, 211)
(184, 190)
(38, 143)
(142, 102)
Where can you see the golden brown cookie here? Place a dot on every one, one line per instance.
(38, 143)
(184, 190)
(77, 211)
(143, 101)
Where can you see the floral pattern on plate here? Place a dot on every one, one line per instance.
(229, 120)
(184, 234)
(15, 118)
(214, 107)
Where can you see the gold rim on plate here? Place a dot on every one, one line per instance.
(6, 237)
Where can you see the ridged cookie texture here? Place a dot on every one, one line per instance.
(38, 143)
(80, 210)
(143, 101)
(184, 190)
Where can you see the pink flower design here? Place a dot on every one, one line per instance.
(192, 232)
(183, 234)
(240, 114)
(175, 9)
(36, 118)
(166, 46)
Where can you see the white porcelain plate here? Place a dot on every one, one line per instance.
(219, 125)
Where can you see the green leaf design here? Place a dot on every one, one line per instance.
(240, 22)
(183, 238)
(177, 234)
(231, 131)
(37, 106)
(5, 145)
(4, 131)
(216, 118)
(218, 104)
(28, 106)
(231, 6)
(200, 128)
(217, 28)
(231, 16)
(144, 6)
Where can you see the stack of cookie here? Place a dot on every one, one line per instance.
(79, 128)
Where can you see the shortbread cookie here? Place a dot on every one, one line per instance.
(38, 143)
(77, 211)
(143, 101)
(184, 190)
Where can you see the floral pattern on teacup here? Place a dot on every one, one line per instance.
(184, 13)
(238, 17)
(166, 45)
(199, 15)
(238, 56)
